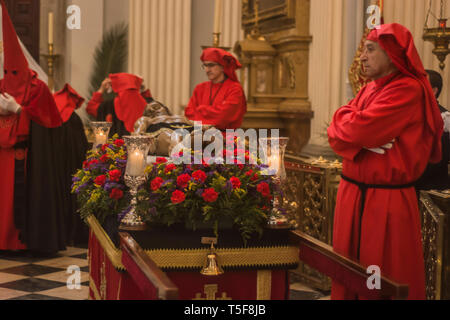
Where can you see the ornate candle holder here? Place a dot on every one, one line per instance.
(274, 150)
(101, 133)
(137, 148)
(51, 58)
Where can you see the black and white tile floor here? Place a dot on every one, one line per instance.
(27, 277)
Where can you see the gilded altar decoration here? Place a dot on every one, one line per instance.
(356, 72)
(209, 193)
(100, 186)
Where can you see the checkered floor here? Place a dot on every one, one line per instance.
(27, 277)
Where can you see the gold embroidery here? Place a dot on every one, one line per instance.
(7, 121)
(94, 289)
(232, 257)
(103, 279)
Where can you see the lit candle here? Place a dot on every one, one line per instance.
(136, 164)
(101, 138)
(50, 27)
(274, 163)
(218, 16)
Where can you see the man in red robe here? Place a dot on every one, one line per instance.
(128, 105)
(221, 101)
(30, 201)
(386, 136)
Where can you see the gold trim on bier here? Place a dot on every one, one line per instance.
(114, 254)
(264, 285)
(233, 257)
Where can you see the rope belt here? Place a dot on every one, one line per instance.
(364, 187)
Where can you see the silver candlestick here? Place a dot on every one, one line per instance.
(137, 149)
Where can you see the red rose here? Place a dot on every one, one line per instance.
(100, 180)
(119, 142)
(178, 197)
(170, 167)
(114, 175)
(199, 175)
(156, 183)
(95, 161)
(161, 160)
(241, 166)
(210, 195)
(264, 189)
(255, 177)
(104, 147)
(249, 173)
(235, 182)
(85, 164)
(116, 194)
(183, 180)
(104, 158)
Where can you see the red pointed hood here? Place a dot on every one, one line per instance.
(398, 43)
(67, 100)
(129, 104)
(17, 78)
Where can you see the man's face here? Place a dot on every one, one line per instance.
(214, 71)
(375, 61)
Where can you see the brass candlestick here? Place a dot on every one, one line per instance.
(216, 43)
(51, 58)
(216, 40)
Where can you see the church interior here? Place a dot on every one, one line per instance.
(300, 62)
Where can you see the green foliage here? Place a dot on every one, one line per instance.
(110, 55)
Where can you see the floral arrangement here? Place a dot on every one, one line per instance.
(99, 185)
(208, 194)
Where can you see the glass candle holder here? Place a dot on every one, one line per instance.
(137, 149)
(274, 150)
(101, 132)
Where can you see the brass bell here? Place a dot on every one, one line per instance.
(212, 267)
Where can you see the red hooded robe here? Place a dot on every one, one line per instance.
(129, 105)
(222, 105)
(399, 106)
(38, 105)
